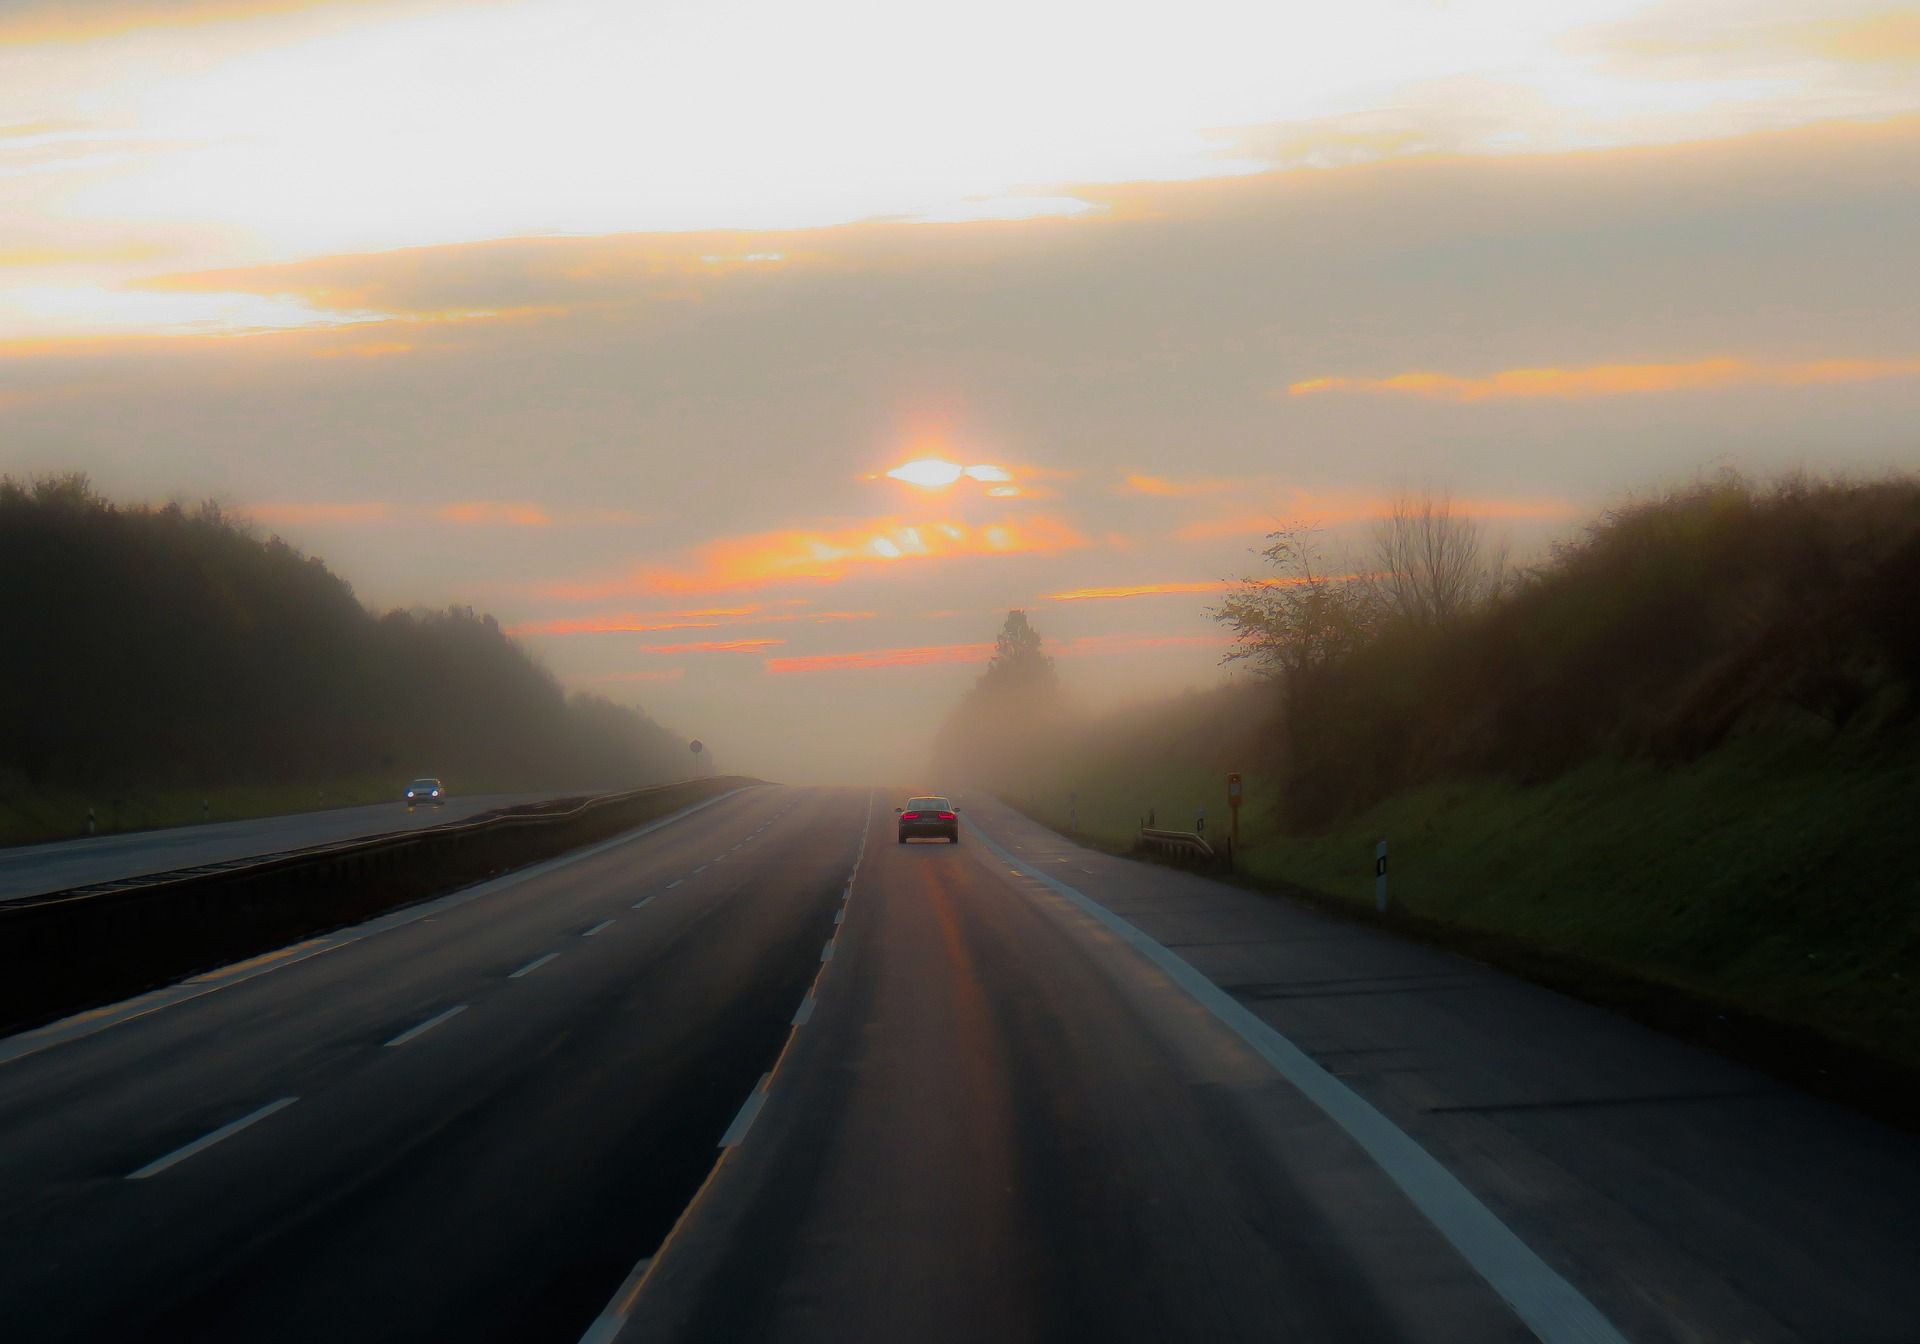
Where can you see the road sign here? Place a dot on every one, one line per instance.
(696, 746)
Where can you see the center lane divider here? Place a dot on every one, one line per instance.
(613, 1318)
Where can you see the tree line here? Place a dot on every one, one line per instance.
(1671, 624)
(1667, 626)
(169, 647)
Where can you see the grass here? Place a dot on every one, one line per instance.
(1773, 877)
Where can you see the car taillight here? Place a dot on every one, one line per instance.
(909, 816)
(946, 816)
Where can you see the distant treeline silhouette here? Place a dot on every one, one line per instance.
(161, 648)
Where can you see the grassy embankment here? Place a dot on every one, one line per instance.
(1677, 769)
(1772, 878)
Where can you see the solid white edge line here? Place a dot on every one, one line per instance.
(804, 1013)
(737, 1131)
(606, 1326)
(601, 927)
(84, 1024)
(533, 965)
(427, 1026)
(206, 1141)
(826, 952)
(840, 915)
(1553, 1309)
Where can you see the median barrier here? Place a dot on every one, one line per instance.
(67, 951)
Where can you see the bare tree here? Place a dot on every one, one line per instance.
(1432, 564)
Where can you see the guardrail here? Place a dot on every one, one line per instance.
(1187, 846)
(66, 951)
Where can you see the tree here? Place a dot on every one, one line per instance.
(1305, 618)
(1432, 564)
(1003, 726)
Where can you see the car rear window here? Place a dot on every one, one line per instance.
(928, 805)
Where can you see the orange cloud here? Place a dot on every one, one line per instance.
(801, 555)
(715, 646)
(1607, 380)
(1139, 590)
(713, 618)
(1892, 37)
(609, 625)
(1171, 489)
(480, 512)
(32, 23)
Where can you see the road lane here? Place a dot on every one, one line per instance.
(471, 1154)
(32, 870)
(1691, 1197)
(994, 1126)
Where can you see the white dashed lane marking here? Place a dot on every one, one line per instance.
(200, 1145)
(428, 1025)
(533, 965)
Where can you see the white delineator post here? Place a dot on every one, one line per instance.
(1380, 877)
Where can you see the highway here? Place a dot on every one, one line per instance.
(31, 870)
(758, 1072)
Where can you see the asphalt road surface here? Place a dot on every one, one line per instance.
(952, 1097)
(31, 870)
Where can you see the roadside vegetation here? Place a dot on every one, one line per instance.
(159, 658)
(1682, 751)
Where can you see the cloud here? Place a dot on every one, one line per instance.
(1891, 37)
(826, 555)
(1138, 590)
(34, 22)
(715, 646)
(1164, 488)
(717, 618)
(1610, 380)
(493, 513)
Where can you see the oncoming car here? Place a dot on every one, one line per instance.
(425, 792)
(929, 817)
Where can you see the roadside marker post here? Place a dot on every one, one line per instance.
(1233, 807)
(1380, 878)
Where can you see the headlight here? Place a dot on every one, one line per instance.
(436, 793)
(409, 793)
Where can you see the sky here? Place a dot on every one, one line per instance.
(749, 361)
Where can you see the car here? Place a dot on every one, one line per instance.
(426, 792)
(929, 817)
